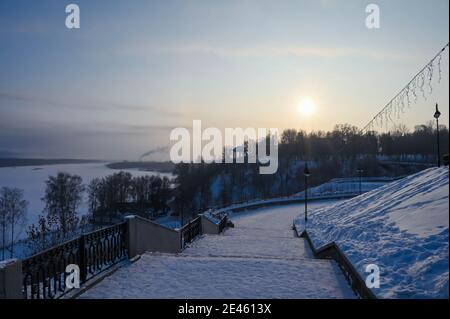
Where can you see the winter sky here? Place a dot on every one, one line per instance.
(114, 88)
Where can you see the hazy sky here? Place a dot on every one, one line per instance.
(114, 88)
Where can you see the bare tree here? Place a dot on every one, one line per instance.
(13, 211)
(4, 222)
(62, 197)
(400, 130)
(40, 236)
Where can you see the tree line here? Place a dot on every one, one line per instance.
(115, 194)
(108, 199)
(346, 141)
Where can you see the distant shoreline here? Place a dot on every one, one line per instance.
(161, 167)
(17, 162)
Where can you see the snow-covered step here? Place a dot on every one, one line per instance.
(172, 276)
(238, 243)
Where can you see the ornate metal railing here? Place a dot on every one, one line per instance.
(190, 231)
(44, 274)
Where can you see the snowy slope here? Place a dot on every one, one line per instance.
(402, 227)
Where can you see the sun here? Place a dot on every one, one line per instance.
(306, 107)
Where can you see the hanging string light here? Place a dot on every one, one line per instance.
(409, 93)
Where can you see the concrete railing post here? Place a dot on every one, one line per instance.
(208, 227)
(131, 236)
(11, 279)
(143, 235)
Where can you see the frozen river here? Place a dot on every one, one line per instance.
(32, 180)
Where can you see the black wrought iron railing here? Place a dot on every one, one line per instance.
(190, 231)
(44, 274)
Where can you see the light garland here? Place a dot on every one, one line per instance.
(421, 84)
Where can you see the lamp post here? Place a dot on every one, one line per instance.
(437, 114)
(360, 171)
(306, 173)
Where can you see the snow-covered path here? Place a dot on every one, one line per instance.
(259, 258)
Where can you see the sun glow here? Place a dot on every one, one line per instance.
(306, 107)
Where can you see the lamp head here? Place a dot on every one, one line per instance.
(306, 171)
(437, 114)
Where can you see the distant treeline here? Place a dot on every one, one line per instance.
(12, 162)
(337, 153)
(346, 141)
(112, 196)
(162, 167)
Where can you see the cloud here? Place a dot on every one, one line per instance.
(260, 51)
(99, 106)
(8, 154)
(45, 138)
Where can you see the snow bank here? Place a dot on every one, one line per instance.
(6, 262)
(214, 216)
(169, 221)
(402, 227)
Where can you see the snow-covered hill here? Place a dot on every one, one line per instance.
(402, 227)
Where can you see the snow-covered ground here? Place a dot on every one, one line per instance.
(169, 221)
(32, 180)
(259, 258)
(347, 185)
(402, 227)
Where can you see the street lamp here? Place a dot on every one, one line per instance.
(306, 173)
(360, 171)
(437, 114)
